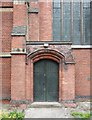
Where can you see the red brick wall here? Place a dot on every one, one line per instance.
(6, 78)
(40, 28)
(91, 71)
(33, 27)
(40, 25)
(34, 23)
(18, 77)
(82, 71)
(7, 22)
(45, 21)
(6, 3)
(19, 15)
(68, 82)
(18, 42)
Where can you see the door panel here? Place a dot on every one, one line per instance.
(52, 81)
(46, 80)
(39, 81)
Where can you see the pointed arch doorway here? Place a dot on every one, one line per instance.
(46, 81)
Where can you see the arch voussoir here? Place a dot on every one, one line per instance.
(46, 54)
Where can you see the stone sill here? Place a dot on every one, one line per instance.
(5, 55)
(48, 42)
(6, 9)
(70, 62)
(81, 46)
(33, 10)
(18, 53)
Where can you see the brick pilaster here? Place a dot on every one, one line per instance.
(18, 51)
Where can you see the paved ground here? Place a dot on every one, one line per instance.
(56, 110)
(49, 110)
(48, 113)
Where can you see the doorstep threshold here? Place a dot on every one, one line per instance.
(45, 104)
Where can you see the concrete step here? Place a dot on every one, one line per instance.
(46, 105)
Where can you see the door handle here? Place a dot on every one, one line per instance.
(44, 89)
(44, 74)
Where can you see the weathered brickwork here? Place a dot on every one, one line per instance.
(83, 69)
(7, 23)
(45, 21)
(6, 3)
(21, 49)
(6, 78)
(18, 77)
(33, 22)
(19, 15)
(40, 21)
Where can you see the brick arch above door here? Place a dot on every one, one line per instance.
(53, 54)
(46, 54)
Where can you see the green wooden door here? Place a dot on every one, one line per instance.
(46, 81)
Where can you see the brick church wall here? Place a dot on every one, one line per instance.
(38, 31)
(83, 71)
(6, 78)
(7, 19)
(40, 24)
